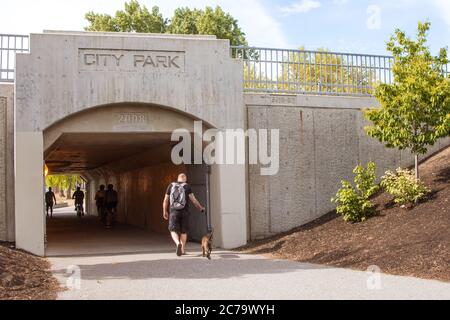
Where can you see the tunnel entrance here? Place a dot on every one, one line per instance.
(139, 166)
(58, 93)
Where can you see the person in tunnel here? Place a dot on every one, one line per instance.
(100, 203)
(50, 200)
(111, 200)
(176, 210)
(78, 195)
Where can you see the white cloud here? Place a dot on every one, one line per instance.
(340, 2)
(302, 6)
(444, 10)
(260, 26)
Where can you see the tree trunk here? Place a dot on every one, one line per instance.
(69, 191)
(416, 166)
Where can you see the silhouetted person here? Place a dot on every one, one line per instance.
(100, 202)
(111, 200)
(50, 201)
(78, 195)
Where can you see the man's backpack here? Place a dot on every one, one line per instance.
(178, 196)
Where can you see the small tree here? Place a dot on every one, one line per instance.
(415, 109)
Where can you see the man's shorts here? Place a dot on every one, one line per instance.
(49, 205)
(111, 205)
(178, 221)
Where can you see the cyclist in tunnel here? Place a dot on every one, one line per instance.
(78, 195)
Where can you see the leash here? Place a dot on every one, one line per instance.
(208, 200)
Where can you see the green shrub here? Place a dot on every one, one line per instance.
(353, 203)
(404, 187)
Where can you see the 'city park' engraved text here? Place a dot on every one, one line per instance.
(124, 60)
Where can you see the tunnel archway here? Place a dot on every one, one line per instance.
(128, 145)
(56, 83)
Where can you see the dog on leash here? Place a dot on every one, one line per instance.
(207, 245)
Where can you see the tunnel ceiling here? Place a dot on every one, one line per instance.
(80, 152)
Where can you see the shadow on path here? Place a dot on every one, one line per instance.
(222, 266)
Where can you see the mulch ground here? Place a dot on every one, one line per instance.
(409, 242)
(25, 277)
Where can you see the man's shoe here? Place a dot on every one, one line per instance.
(179, 250)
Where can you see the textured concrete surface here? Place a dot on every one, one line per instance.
(84, 71)
(227, 276)
(6, 162)
(321, 140)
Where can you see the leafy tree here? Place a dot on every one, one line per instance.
(137, 18)
(323, 71)
(415, 109)
(63, 183)
(184, 21)
(217, 22)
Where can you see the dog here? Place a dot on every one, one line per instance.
(207, 245)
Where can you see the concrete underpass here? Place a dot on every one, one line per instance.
(138, 164)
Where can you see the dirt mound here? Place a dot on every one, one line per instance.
(412, 242)
(25, 277)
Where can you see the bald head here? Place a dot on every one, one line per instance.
(182, 178)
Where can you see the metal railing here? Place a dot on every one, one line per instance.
(10, 45)
(313, 72)
(273, 70)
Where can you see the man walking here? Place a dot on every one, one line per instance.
(50, 200)
(100, 196)
(111, 200)
(176, 210)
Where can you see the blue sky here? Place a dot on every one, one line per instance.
(339, 25)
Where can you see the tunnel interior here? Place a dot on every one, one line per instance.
(139, 166)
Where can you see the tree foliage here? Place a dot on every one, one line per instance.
(63, 182)
(134, 18)
(137, 18)
(323, 71)
(415, 108)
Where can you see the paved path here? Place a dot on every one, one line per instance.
(229, 276)
(146, 267)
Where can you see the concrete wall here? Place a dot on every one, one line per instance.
(141, 192)
(7, 162)
(69, 72)
(54, 81)
(322, 140)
